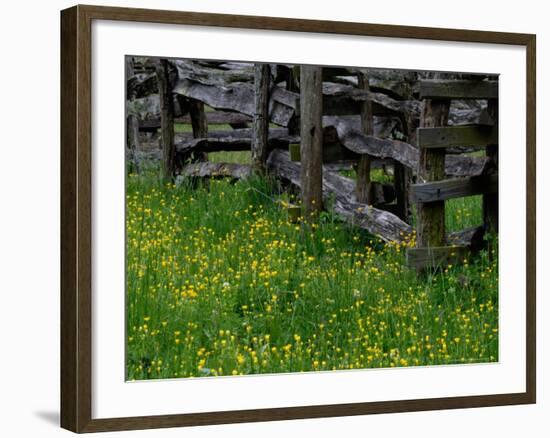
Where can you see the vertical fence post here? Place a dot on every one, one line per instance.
(292, 80)
(199, 124)
(132, 140)
(490, 201)
(311, 148)
(363, 184)
(260, 128)
(132, 132)
(430, 229)
(402, 177)
(166, 103)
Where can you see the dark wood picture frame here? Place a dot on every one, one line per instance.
(76, 218)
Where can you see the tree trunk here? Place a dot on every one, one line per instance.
(311, 148)
(431, 167)
(260, 128)
(363, 185)
(166, 103)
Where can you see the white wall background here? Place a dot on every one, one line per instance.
(29, 215)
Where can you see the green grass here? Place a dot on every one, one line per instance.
(220, 282)
(241, 157)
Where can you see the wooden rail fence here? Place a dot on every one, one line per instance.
(432, 189)
(327, 119)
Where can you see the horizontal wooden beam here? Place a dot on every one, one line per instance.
(453, 136)
(213, 118)
(208, 169)
(436, 257)
(340, 192)
(458, 89)
(454, 188)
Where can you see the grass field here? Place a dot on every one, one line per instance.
(220, 282)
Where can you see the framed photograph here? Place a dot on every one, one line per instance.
(269, 219)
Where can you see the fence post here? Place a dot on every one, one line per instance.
(292, 80)
(199, 124)
(260, 128)
(490, 201)
(363, 184)
(430, 229)
(166, 103)
(402, 177)
(311, 148)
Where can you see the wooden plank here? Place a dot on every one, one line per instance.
(260, 127)
(339, 190)
(311, 146)
(458, 89)
(454, 188)
(239, 97)
(235, 140)
(212, 118)
(473, 238)
(353, 139)
(430, 228)
(166, 120)
(436, 257)
(207, 169)
(453, 136)
(340, 100)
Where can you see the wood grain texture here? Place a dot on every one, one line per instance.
(340, 191)
(311, 147)
(69, 309)
(531, 296)
(208, 169)
(454, 188)
(261, 116)
(458, 89)
(76, 293)
(76, 221)
(453, 136)
(212, 118)
(430, 228)
(166, 120)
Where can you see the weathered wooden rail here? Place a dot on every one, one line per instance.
(432, 190)
(328, 118)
